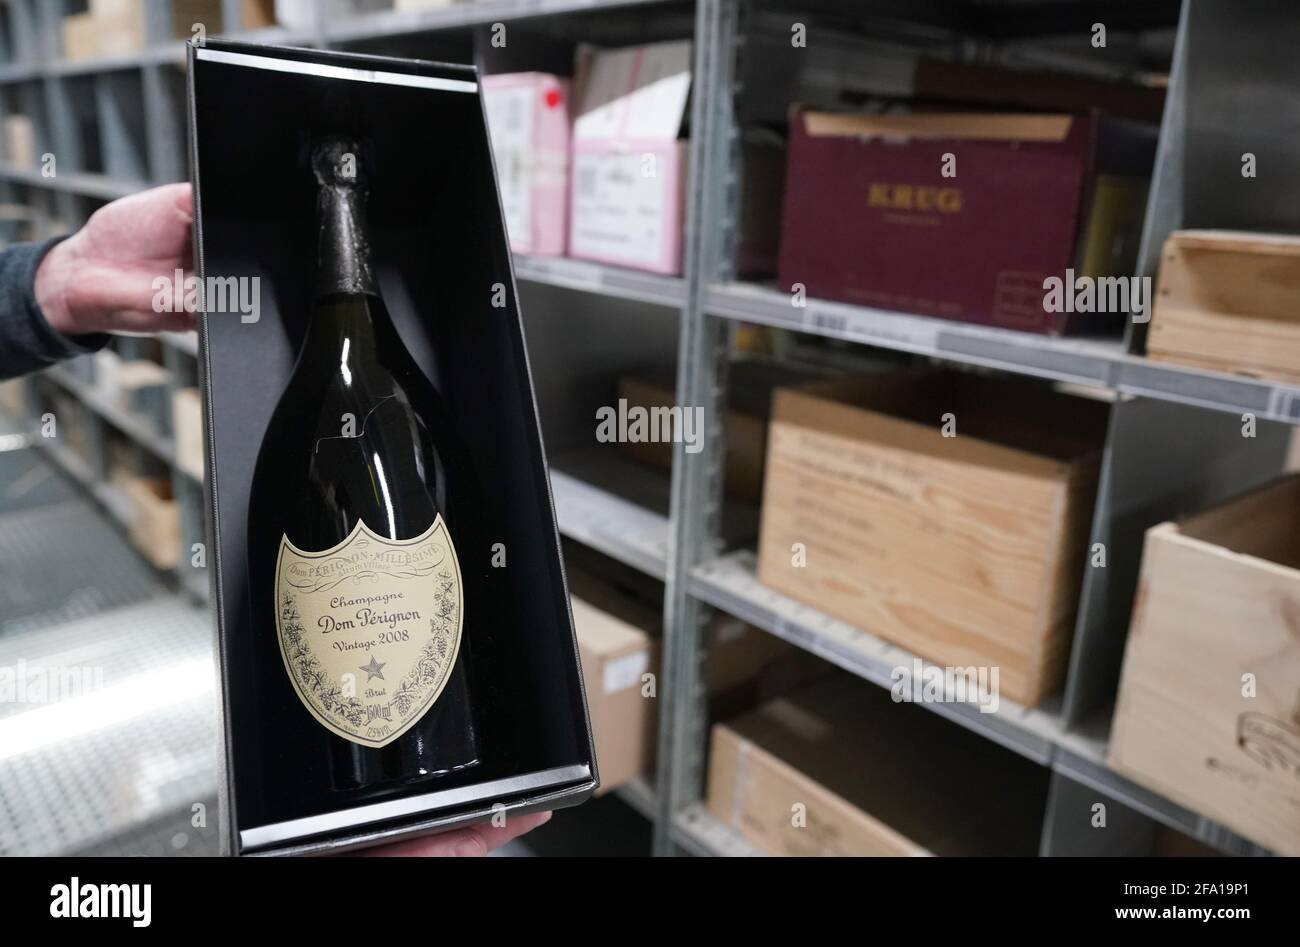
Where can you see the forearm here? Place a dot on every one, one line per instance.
(27, 340)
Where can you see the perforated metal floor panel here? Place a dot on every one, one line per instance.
(26, 478)
(63, 562)
(123, 734)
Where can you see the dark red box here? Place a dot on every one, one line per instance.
(871, 218)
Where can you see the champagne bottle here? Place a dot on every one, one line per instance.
(358, 507)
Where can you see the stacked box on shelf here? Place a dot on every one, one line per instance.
(619, 642)
(155, 522)
(838, 768)
(118, 27)
(967, 216)
(630, 166)
(1209, 702)
(1228, 301)
(629, 161)
(947, 513)
(187, 431)
(13, 400)
(20, 142)
(528, 117)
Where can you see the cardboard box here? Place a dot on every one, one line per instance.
(13, 399)
(1208, 698)
(837, 769)
(947, 82)
(20, 142)
(1227, 301)
(619, 637)
(870, 217)
(629, 162)
(155, 520)
(118, 27)
(966, 550)
(438, 239)
(616, 653)
(80, 36)
(528, 118)
(187, 431)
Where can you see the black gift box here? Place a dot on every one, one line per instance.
(444, 268)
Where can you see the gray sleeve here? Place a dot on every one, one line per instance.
(27, 343)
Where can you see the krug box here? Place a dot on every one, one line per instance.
(871, 217)
(396, 651)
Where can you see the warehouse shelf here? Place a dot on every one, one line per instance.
(1082, 361)
(19, 72)
(612, 514)
(1274, 401)
(129, 423)
(730, 584)
(99, 186)
(1081, 756)
(109, 495)
(386, 24)
(602, 280)
(1096, 362)
(610, 524)
(173, 52)
(699, 833)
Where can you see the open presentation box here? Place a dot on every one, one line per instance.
(442, 261)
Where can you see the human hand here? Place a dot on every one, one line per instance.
(474, 841)
(101, 278)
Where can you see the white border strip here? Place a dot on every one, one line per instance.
(349, 818)
(335, 72)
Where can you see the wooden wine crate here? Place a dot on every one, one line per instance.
(1229, 302)
(20, 142)
(155, 520)
(837, 768)
(117, 27)
(1218, 600)
(188, 435)
(967, 550)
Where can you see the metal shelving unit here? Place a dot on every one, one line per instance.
(686, 548)
(700, 576)
(729, 584)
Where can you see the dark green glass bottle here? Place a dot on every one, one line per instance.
(355, 522)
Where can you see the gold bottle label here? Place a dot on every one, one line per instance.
(369, 630)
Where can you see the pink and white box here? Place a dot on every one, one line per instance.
(629, 162)
(528, 119)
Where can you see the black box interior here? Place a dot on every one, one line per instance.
(444, 269)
